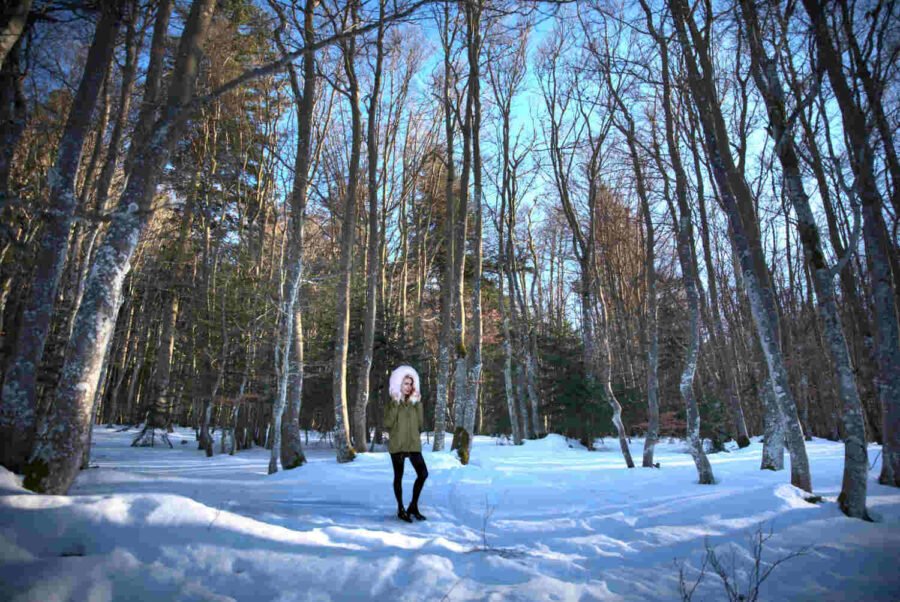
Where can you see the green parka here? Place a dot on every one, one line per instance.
(404, 420)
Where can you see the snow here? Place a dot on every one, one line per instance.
(548, 520)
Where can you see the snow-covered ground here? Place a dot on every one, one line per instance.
(544, 521)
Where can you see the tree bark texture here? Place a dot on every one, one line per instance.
(62, 435)
(743, 229)
(13, 115)
(13, 20)
(878, 247)
(18, 412)
(856, 461)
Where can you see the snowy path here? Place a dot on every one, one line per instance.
(559, 523)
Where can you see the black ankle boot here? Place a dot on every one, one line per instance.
(403, 515)
(414, 512)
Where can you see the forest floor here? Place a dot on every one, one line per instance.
(545, 521)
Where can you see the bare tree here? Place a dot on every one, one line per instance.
(651, 327)
(684, 232)
(594, 311)
(743, 228)
(373, 258)
(289, 350)
(765, 74)
(473, 11)
(461, 382)
(506, 71)
(343, 448)
(449, 283)
(878, 246)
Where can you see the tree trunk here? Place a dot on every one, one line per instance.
(651, 325)
(878, 250)
(505, 76)
(54, 462)
(158, 414)
(475, 362)
(448, 284)
(373, 257)
(206, 439)
(229, 424)
(161, 408)
(108, 170)
(13, 114)
(726, 357)
(527, 333)
(18, 412)
(686, 387)
(292, 454)
(13, 20)
(856, 461)
(603, 367)
(743, 228)
(652, 334)
(773, 428)
(343, 448)
(461, 223)
(509, 387)
(684, 237)
(875, 95)
(290, 373)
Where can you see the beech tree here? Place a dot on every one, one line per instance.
(450, 281)
(768, 81)
(880, 251)
(343, 447)
(595, 325)
(17, 411)
(62, 434)
(743, 229)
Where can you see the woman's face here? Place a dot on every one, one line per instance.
(407, 388)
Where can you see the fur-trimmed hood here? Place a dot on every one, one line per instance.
(397, 376)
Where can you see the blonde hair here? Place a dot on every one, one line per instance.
(396, 383)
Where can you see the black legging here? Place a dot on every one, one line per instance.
(418, 463)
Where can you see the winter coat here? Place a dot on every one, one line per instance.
(404, 419)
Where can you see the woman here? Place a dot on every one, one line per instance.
(404, 420)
